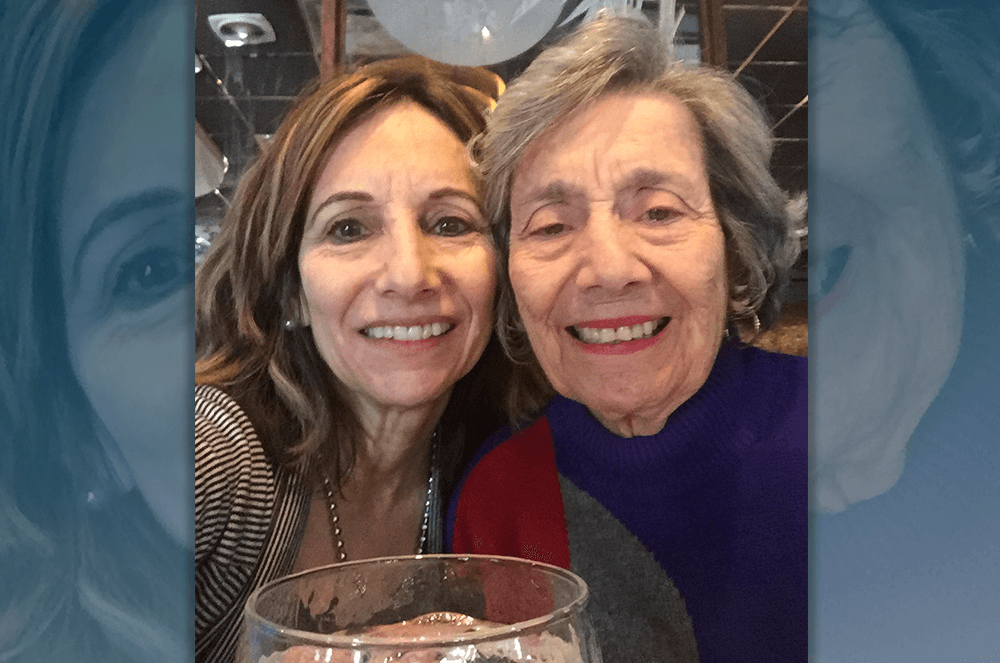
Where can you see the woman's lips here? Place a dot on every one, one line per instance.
(403, 333)
(618, 336)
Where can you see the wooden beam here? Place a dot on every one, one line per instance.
(333, 18)
(756, 50)
(713, 33)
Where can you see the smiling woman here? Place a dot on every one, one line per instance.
(94, 332)
(342, 314)
(667, 462)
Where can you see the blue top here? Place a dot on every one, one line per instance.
(719, 496)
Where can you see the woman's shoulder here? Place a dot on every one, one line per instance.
(220, 423)
(778, 401)
(511, 477)
(776, 377)
(766, 364)
(231, 466)
(249, 516)
(212, 403)
(524, 441)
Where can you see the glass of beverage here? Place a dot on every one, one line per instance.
(421, 609)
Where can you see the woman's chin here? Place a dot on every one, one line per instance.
(630, 419)
(407, 391)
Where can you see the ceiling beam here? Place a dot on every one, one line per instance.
(713, 33)
(310, 10)
(767, 37)
(333, 18)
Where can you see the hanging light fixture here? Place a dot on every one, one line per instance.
(468, 32)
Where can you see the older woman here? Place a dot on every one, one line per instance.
(351, 288)
(642, 231)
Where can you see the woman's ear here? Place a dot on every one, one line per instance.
(295, 308)
(302, 314)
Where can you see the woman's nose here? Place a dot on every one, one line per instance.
(610, 261)
(409, 261)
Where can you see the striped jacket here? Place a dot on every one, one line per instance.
(249, 518)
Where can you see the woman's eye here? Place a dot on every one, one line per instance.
(551, 230)
(149, 277)
(451, 226)
(348, 230)
(661, 214)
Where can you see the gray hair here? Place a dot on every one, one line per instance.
(614, 53)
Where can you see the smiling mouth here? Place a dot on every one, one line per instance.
(411, 333)
(615, 335)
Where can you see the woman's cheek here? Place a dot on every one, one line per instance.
(535, 284)
(137, 377)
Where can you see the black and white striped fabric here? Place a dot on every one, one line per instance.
(249, 519)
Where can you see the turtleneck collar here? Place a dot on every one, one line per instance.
(698, 435)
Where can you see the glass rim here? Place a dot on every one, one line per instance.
(358, 641)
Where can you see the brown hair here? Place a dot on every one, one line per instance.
(248, 285)
(612, 54)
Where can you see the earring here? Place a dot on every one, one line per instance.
(756, 324)
(105, 474)
(289, 325)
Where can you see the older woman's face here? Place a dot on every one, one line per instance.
(617, 259)
(397, 269)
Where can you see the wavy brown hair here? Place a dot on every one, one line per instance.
(249, 282)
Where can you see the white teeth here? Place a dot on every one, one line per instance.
(401, 333)
(611, 335)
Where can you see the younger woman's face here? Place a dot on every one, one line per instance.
(124, 254)
(396, 262)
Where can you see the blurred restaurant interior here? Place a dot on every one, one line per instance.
(253, 57)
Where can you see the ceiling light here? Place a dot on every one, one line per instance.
(242, 29)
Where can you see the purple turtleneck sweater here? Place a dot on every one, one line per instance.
(718, 496)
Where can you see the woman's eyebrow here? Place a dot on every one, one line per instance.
(359, 196)
(453, 192)
(120, 211)
(450, 192)
(641, 178)
(553, 191)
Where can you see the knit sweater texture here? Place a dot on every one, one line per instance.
(718, 497)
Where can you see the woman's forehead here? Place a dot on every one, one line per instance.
(623, 135)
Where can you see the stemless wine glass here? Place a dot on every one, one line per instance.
(421, 609)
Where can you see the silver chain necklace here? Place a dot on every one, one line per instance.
(338, 541)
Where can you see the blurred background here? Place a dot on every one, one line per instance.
(253, 57)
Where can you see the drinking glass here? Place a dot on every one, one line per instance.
(421, 609)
